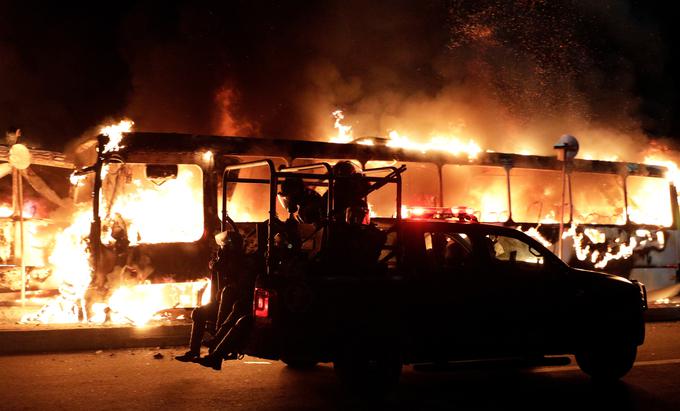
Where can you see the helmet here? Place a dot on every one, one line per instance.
(344, 168)
(292, 189)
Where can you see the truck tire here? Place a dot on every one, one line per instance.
(366, 371)
(607, 363)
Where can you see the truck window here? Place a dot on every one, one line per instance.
(447, 250)
(502, 248)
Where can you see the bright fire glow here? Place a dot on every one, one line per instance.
(673, 173)
(344, 132)
(536, 235)
(597, 258)
(139, 304)
(143, 204)
(115, 134)
(453, 145)
(151, 210)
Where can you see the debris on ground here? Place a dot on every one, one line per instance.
(158, 356)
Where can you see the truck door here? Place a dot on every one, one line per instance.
(524, 297)
(437, 318)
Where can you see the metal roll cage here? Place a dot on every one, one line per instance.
(325, 179)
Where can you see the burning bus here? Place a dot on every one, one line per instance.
(148, 208)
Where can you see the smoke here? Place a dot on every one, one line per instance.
(60, 72)
(512, 75)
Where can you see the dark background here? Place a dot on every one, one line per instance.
(277, 69)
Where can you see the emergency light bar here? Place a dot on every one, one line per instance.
(462, 214)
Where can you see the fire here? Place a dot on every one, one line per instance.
(72, 270)
(140, 304)
(536, 235)
(595, 236)
(451, 144)
(673, 173)
(625, 251)
(137, 202)
(115, 134)
(344, 131)
(600, 259)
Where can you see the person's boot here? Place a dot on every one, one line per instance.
(189, 356)
(211, 361)
(231, 356)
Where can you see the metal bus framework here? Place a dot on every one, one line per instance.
(22, 262)
(656, 267)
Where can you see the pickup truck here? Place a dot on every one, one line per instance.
(436, 290)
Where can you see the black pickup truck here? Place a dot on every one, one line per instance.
(432, 291)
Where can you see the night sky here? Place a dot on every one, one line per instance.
(278, 69)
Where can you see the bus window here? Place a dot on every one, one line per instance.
(156, 203)
(481, 188)
(249, 202)
(598, 198)
(649, 201)
(420, 187)
(536, 195)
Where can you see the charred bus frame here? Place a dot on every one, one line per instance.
(170, 148)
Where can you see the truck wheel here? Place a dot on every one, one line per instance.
(607, 363)
(367, 371)
(299, 363)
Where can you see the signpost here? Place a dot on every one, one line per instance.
(19, 159)
(567, 148)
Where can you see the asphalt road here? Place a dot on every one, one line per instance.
(135, 380)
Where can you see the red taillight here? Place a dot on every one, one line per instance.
(261, 303)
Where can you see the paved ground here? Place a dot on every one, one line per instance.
(134, 379)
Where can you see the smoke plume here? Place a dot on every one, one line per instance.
(511, 75)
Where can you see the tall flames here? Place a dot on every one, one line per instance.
(140, 207)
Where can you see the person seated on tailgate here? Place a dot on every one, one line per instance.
(231, 336)
(225, 271)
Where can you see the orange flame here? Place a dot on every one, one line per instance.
(115, 134)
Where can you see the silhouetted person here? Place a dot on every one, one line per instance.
(231, 336)
(225, 269)
(350, 189)
(306, 204)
